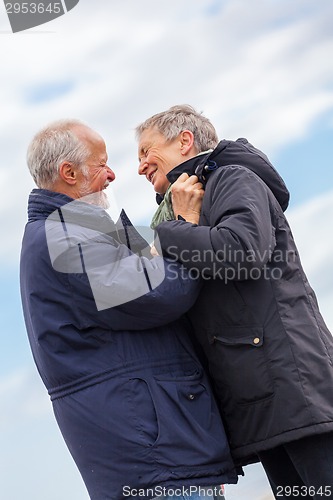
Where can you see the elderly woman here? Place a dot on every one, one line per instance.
(257, 319)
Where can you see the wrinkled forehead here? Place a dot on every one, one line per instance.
(149, 137)
(149, 133)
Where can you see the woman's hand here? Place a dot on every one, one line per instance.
(187, 193)
(153, 251)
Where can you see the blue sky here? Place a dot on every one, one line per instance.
(306, 164)
(258, 69)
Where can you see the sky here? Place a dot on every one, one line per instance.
(260, 70)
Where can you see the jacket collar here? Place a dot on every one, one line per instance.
(192, 166)
(44, 204)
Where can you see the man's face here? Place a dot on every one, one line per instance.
(96, 175)
(157, 157)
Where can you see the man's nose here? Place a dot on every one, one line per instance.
(111, 174)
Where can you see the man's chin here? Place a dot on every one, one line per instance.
(99, 199)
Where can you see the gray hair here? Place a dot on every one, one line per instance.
(50, 147)
(172, 122)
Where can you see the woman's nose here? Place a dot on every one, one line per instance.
(143, 165)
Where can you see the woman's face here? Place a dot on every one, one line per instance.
(157, 157)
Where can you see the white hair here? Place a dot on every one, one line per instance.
(51, 146)
(172, 122)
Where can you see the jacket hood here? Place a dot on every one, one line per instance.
(239, 152)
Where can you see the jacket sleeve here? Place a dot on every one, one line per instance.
(240, 237)
(115, 288)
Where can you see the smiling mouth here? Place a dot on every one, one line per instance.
(106, 184)
(151, 176)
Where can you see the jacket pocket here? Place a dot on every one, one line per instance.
(240, 365)
(143, 413)
(179, 420)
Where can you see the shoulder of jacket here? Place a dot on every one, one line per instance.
(229, 171)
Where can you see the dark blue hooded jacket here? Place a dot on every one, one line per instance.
(129, 394)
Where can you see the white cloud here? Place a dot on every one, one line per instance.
(257, 69)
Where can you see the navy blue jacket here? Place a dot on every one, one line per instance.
(257, 318)
(129, 394)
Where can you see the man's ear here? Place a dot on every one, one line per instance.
(187, 141)
(68, 173)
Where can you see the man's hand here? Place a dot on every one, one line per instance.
(187, 193)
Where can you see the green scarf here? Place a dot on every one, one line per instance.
(164, 211)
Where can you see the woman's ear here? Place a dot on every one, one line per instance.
(187, 142)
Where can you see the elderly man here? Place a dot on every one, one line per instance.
(104, 323)
(268, 349)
